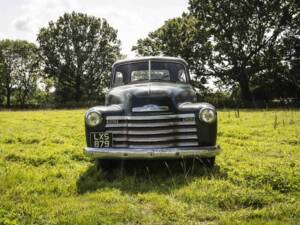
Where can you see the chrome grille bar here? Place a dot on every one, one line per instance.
(168, 145)
(164, 124)
(148, 132)
(151, 117)
(146, 139)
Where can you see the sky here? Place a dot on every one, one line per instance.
(134, 19)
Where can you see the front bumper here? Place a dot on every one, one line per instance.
(157, 153)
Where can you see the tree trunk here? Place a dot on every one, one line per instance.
(8, 87)
(246, 94)
(77, 89)
(8, 93)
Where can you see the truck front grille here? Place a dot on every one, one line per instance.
(153, 131)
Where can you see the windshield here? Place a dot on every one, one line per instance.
(159, 71)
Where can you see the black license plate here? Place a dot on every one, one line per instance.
(101, 139)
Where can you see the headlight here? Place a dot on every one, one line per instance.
(93, 119)
(207, 115)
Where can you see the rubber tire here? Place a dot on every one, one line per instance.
(209, 162)
(106, 165)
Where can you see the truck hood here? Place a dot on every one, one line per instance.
(151, 96)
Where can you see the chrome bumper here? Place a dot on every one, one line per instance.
(157, 153)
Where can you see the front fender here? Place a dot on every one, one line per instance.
(207, 132)
(194, 107)
(111, 110)
(107, 110)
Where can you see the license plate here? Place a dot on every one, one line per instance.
(101, 139)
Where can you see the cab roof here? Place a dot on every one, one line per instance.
(156, 58)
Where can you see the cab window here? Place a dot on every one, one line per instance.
(164, 71)
(182, 76)
(119, 79)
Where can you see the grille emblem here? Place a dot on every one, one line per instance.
(151, 108)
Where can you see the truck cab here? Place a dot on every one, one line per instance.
(151, 112)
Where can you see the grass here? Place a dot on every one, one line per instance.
(46, 179)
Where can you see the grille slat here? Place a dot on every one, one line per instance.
(154, 117)
(147, 139)
(153, 131)
(149, 132)
(167, 145)
(164, 124)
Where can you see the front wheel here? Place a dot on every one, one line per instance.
(106, 164)
(209, 162)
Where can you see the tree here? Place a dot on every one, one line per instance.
(177, 38)
(2, 69)
(242, 33)
(19, 68)
(231, 40)
(291, 51)
(78, 51)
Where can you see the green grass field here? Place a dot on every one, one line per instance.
(46, 179)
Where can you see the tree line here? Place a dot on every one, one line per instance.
(249, 50)
(70, 65)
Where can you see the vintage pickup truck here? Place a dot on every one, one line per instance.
(151, 112)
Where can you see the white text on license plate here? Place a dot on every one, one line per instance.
(101, 139)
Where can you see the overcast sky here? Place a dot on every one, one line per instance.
(134, 19)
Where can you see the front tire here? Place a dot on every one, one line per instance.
(106, 165)
(209, 162)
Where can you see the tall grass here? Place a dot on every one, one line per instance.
(46, 179)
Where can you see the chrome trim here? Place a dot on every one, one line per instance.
(169, 145)
(163, 124)
(146, 139)
(151, 117)
(200, 114)
(151, 108)
(93, 111)
(177, 130)
(146, 132)
(157, 153)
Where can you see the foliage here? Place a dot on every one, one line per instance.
(241, 43)
(177, 38)
(78, 51)
(19, 68)
(46, 179)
